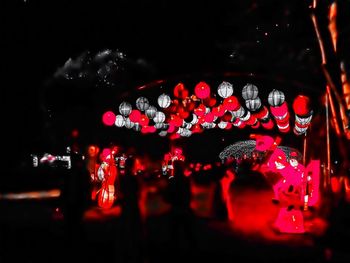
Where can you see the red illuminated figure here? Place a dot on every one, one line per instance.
(169, 159)
(107, 174)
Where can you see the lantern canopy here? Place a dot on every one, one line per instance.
(250, 92)
(225, 89)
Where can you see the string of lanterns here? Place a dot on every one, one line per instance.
(186, 114)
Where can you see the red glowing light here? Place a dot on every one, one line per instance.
(108, 118)
(301, 105)
(231, 103)
(135, 116)
(202, 90)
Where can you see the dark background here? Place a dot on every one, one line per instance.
(161, 39)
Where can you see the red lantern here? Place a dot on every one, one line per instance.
(301, 105)
(178, 89)
(268, 125)
(108, 118)
(231, 103)
(210, 102)
(202, 90)
(143, 120)
(200, 110)
(135, 115)
(209, 117)
(227, 116)
(279, 111)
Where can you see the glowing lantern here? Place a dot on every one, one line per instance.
(137, 127)
(285, 128)
(227, 116)
(200, 110)
(256, 125)
(209, 117)
(250, 92)
(301, 105)
(161, 126)
(267, 124)
(128, 123)
(178, 90)
(239, 123)
(228, 126)
(210, 102)
(279, 111)
(246, 117)
(119, 121)
(251, 121)
(194, 119)
(202, 90)
(276, 98)
(176, 121)
(160, 117)
(108, 118)
(143, 120)
(142, 103)
(125, 108)
(162, 133)
(238, 113)
(263, 113)
(222, 124)
(219, 110)
(253, 104)
(225, 89)
(135, 115)
(231, 103)
(303, 121)
(151, 112)
(164, 101)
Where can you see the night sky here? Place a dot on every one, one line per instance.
(161, 39)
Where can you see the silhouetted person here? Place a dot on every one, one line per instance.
(75, 200)
(130, 245)
(182, 217)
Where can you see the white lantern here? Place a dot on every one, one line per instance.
(160, 117)
(225, 89)
(238, 113)
(276, 98)
(303, 121)
(119, 121)
(125, 108)
(128, 123)
(194, 119)
(163, 133)
(142, 103)
(137, 127)
(151, 112)
(250, 92)
(253, 104)
(222, 124)
(186, 133)
(164, 101)
(246, 117)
